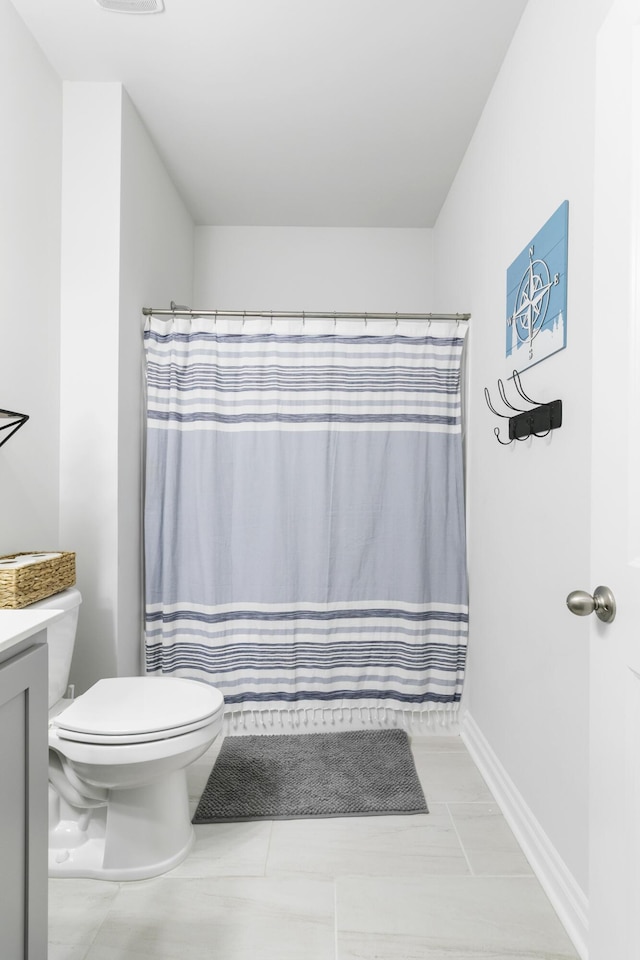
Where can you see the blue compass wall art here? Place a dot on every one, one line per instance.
(537, 295)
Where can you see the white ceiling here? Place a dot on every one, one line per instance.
(296, 112)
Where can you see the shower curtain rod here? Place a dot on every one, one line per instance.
(177, 310)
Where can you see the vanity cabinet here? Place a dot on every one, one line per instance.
(23, 799)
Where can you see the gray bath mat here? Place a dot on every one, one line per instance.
(291, 776)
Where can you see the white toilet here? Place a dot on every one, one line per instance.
(118, 800)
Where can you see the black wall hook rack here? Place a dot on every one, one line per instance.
(15, 421)
(538, 421)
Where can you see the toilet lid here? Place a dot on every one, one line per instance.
(135, 709)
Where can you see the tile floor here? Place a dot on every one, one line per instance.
(448, 885)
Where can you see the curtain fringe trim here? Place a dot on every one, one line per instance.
(424, 722)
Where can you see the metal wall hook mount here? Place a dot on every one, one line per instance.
(537, 421)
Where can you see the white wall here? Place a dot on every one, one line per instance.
(156, 266)
(127, 241)
(314, 269)
(30, 159)
(529, 503)
(89, 360)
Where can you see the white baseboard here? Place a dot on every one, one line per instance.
(566, 896)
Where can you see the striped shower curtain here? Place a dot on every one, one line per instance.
(304, 517)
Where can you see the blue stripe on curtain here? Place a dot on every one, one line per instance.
(304, 518)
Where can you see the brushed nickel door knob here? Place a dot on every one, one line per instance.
(602, 603)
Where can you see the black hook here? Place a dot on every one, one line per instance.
(504, 443)
(505, 416)
(518, 385)
(526, 423)
(503, 396)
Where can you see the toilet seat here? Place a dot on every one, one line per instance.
(122, 710)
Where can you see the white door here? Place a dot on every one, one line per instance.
(614, 796)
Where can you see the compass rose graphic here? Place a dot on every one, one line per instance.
(532, 301)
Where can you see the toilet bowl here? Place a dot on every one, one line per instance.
(118, 798)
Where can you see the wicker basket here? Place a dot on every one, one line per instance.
(20, 586)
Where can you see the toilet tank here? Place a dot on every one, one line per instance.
(61, 637)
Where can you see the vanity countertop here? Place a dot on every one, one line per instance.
(18, 625)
